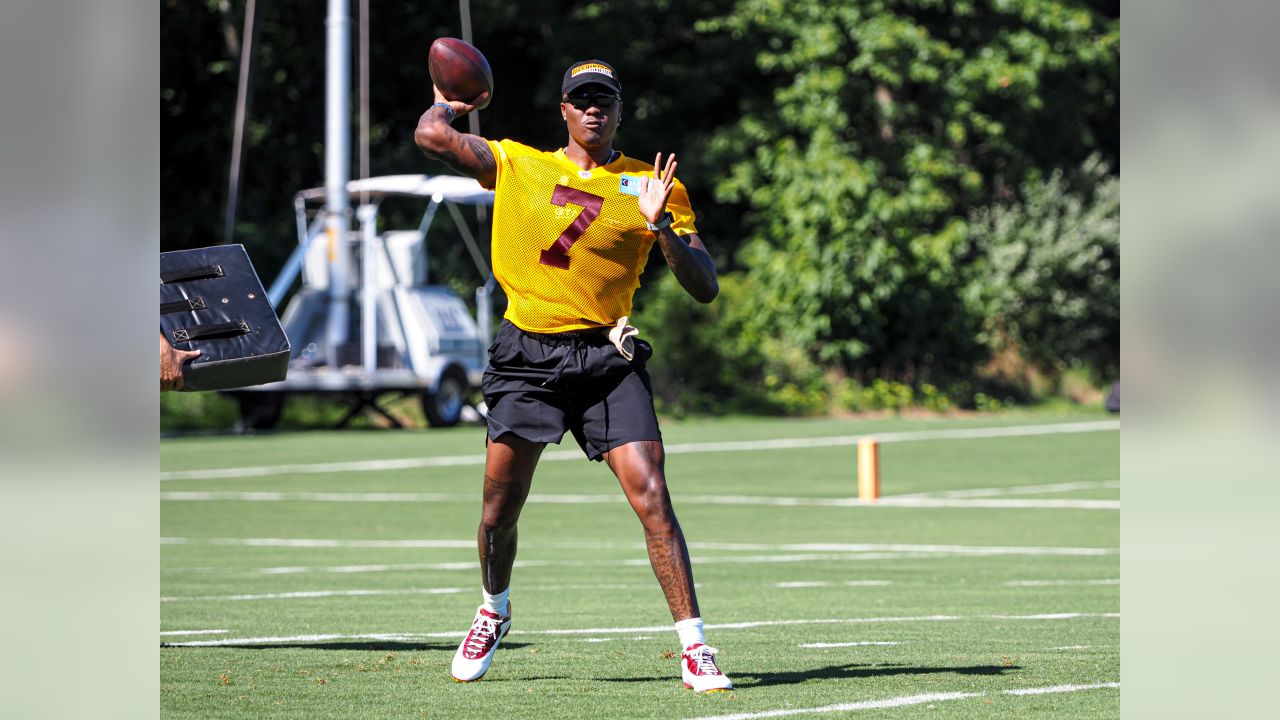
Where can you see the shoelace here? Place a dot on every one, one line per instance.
(705, 659)
(483, 630)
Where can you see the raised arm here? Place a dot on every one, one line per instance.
(468, 154)
(686, 256)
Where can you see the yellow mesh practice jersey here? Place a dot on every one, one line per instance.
(569, 244)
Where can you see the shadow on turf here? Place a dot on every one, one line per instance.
(742, 680)
(371, 645)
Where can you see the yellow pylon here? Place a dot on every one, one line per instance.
(868, 470)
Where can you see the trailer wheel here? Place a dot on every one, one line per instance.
(443, 407)
(258, 410)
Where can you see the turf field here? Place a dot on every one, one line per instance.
(326, 575)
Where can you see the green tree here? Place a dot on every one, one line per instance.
(889, 120)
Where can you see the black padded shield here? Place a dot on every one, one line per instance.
(211, 300)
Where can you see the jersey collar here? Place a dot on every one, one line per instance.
(563, 157)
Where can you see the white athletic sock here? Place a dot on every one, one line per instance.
(496, 603)
(690, 632)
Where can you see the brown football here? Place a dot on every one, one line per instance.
(460, 71)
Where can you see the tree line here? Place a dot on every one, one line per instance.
(910, 201)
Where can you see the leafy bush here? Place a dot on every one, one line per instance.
(185, 411)
(1048, 273)
(716, 358)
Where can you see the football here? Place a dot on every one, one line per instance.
(460, 71)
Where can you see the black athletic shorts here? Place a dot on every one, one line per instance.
(537, 386)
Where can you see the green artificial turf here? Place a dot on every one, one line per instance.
(592, 636)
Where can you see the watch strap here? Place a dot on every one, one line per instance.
(663, 223)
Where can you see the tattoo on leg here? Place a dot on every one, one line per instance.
(506, 487)
(639, 467)
(670, 560)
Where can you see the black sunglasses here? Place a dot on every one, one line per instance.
(582, 101)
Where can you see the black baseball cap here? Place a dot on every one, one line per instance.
(586, 72)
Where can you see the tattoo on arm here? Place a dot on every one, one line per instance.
(469, 155)
(466, 153)
(693, 267)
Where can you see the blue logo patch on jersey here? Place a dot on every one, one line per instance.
(629, 185)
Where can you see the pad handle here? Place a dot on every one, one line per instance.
(199, 272)
(183, 305)
(219, 330)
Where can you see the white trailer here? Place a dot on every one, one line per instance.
(399, 333)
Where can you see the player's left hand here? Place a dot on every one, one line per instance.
(655, 190)
(171, 360)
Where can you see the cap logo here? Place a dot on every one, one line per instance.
(591, 67)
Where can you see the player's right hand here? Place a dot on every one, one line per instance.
(459, 108)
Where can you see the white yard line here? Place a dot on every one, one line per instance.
(594, 547)
(470, 566)
(913, 501)
(673, 449)
(1051, 583)
(299, 639)
(776, 553)
(847, 644)
(896, 702)
(905, 547)
(319, 543)
(997, 503)
(824, 583)
(309, 594)
(1059, 689)
(1018, 490)
(649, 629)
(802, 584)
(907, 700)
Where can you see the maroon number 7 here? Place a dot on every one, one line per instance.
(558, 254)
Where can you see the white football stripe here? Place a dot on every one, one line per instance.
(912, 501)
(365, 466)
(309, 594)
(803, 584)
(824, 583)
(800, 547)
(1018, 490)
(997, 503)
(907, 700)
(651, 628)
(473, 565)
(1050, 583)
(846, 644)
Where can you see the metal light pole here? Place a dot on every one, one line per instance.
(337, 167)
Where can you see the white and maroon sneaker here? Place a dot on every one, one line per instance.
(698, 668)
(474, 655)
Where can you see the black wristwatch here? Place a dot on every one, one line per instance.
(663, 223)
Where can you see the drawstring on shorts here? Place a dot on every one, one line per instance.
(621, 335)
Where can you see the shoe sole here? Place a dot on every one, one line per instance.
(704, 692)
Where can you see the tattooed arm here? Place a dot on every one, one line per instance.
(687, 256)
(692, 264)
(466, 153)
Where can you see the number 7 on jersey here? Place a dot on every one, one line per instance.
(558, 254)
